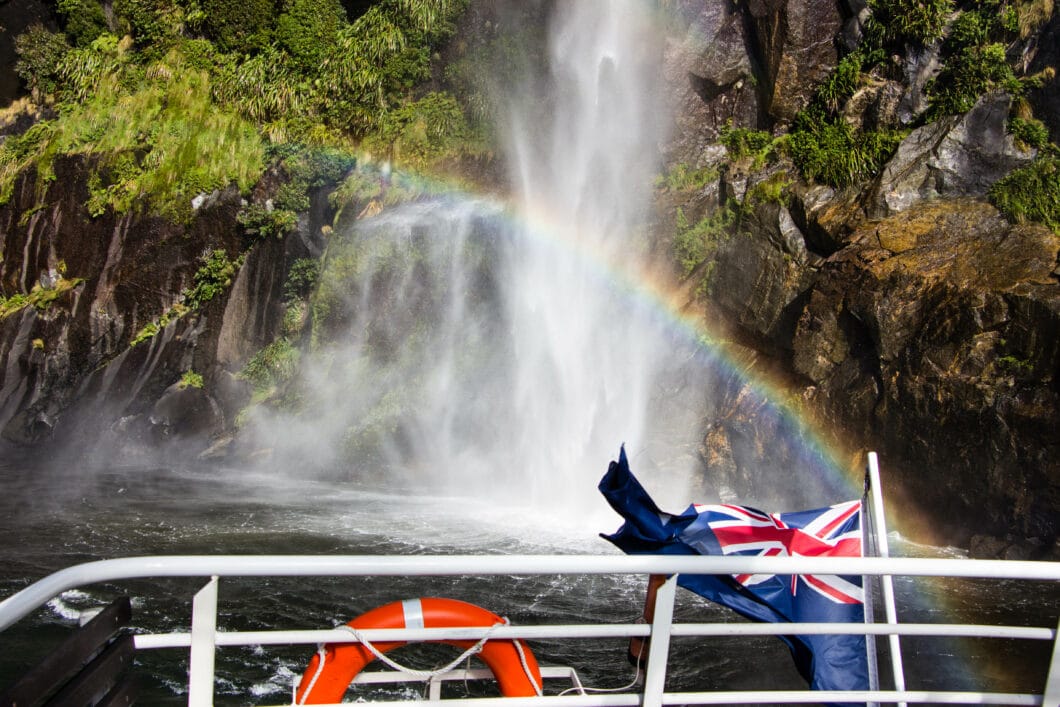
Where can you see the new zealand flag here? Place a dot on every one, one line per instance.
(828, 662)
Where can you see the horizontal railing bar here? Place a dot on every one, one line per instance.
(385, 677)
(15, 607)
(833, 696)
(806, 629)
(313, 637)
(749, 697)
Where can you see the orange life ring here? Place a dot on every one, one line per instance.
(342, 661)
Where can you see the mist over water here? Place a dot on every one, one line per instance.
(499, 352)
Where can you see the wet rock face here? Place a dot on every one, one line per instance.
(760, 274)
(710, 74)
(954, 157)
(68, 369)
(796, 46)
(937, 333)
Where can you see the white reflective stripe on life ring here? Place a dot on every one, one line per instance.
(413, 610)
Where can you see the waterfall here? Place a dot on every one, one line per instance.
(471, 349)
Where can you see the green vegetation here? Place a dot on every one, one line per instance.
(422, 131)
(744, 143)
(971, 71)
(681, 177)
(270, 367)
(829, 150)
(40, 55)
(148, 331)
(189, 101)
(212, 278)
(190, 379)
(12, 304)
(262, 222)
(307, 28)
(696, 243)
(823, 145)
(841, 84)
(40, 297)
(975, 54)
(170, 143)
(1031, 193)
(773, 190)
(85, 20)
(241, 26)
(917, 22)
(1014, 365)
(1029, 132)
(301, 279)
(973, 36)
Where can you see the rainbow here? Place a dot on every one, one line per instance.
(838, 464)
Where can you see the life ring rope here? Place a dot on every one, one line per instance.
(424, 674)
(322, 656)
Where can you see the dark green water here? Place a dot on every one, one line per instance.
(50, 522)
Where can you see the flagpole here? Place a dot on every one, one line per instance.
(886, 581)
(872, 659)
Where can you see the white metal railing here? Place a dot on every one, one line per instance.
(203, 638)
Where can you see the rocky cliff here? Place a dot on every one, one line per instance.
(100, 351)
(907, 315)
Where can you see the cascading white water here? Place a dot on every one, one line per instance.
(498, 352)
(583, 148)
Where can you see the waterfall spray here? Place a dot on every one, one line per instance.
(469, 349)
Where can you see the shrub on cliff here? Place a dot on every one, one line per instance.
(84, 20)
(154, 24)
(171, 143)
(1031, 193)
(40, 55)
(240, 26)
(307, 28)
(967, 75)
(918, 22)
(214, 276)
(421, 131)
(833, 152)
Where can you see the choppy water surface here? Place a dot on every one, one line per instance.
(49, 523)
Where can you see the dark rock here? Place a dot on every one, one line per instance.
(185, 410)
(987, 547)
(874, 107)
(935, 338)
(796, 47)
(68, 374)
(825, 217)
(759, 273)
(1046, 100)
(919, 67)
(954, 157)
(709, 76)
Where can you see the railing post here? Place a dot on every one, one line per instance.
(203, 637)
(1051, 698)
(659, 649)
(886, 581)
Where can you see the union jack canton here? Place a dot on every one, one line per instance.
(834, 531)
